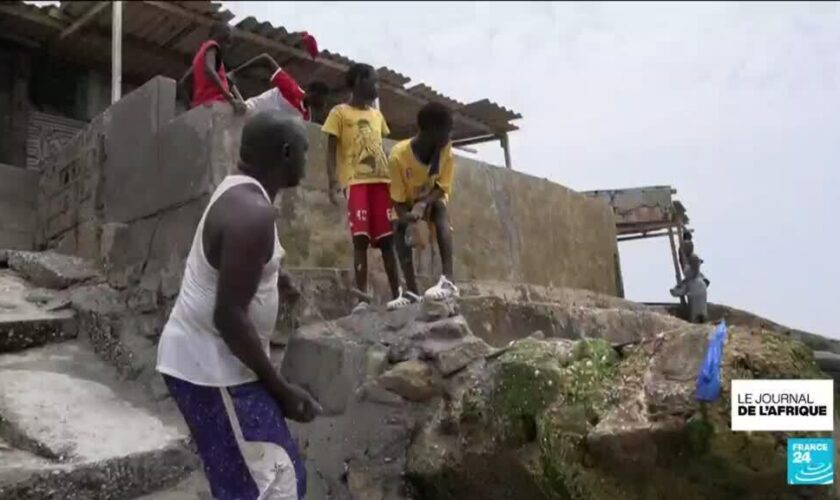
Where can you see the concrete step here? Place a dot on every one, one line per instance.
(26, 331)
(194, 487)
(30, 316)
(69, 430)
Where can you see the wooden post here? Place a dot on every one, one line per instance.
(677, 270)
(116, 52)
(506, 147)
(83, 20)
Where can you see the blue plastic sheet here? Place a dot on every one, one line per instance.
(708, 380)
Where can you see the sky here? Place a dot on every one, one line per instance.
(735, 105)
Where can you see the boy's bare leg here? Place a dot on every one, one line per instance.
(360, 265)
(389, 260)
(406, 255)
(440, 218)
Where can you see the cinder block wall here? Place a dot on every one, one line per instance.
(130, 191)
(18, 195)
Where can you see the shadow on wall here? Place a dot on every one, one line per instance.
(129, 191)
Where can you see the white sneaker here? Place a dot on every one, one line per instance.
(443, 290)
(405, 299)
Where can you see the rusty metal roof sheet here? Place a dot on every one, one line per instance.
(161, 38)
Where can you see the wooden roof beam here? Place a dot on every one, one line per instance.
(24, 11)
(84, 19)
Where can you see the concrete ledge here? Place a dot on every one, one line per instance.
(71, 430)
(24, 333)
(115, 479)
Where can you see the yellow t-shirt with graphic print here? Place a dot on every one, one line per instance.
(360, 157)
(410, 179)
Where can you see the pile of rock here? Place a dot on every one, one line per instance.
(419, 407)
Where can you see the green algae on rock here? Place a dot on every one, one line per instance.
(571, 420)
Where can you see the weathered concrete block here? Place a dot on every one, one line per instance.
(326, 364)
(183, 172)
(61, 402)
(51, 269)
(132, 162)
(23, 333)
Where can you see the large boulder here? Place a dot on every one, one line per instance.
(562, 419)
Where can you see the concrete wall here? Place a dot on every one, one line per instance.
(18, 193)
(154, 171)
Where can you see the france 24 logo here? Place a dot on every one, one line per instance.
(810, 461)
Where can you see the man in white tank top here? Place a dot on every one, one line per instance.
(214, 350)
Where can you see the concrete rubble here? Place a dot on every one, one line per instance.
(512, 391)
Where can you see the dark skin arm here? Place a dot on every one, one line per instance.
(332, 146)
(213, 75)
(260, 58)
(183, 88)
(286, 285)
(245, 247)
(416, 212)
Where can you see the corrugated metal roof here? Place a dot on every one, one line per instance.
(160, 38)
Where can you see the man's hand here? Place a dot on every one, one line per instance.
(291, 295)
(299, 405)
(239, 106)
(417, 211)
(334, 191)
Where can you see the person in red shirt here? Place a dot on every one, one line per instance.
(285, 94)
(209, 78)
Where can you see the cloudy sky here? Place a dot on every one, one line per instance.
(736, 105)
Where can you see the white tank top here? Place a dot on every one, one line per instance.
(191, 347)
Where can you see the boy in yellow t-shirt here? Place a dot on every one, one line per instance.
(356, 161)
(422, 169)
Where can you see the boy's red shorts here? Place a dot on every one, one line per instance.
(369, 210)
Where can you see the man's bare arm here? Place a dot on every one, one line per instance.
(262, 57)
(332, 177)
(286, 286)
(332, 146)
(245, 248)
(213, 75)
(183, 88)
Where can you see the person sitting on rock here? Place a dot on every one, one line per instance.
(356, 161)
(422, 170)
(214, 349)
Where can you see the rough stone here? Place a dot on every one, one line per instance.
(449, 361)
(413, 380)
(499, 321)
(50, 269)
(434, 310)
(26, 332)
(827, 361)
(327, 362)
(554, 419)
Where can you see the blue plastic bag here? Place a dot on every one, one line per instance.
(708, 380)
